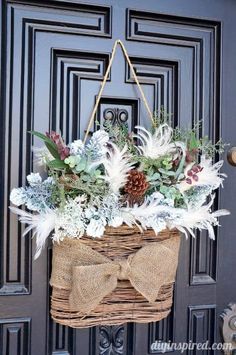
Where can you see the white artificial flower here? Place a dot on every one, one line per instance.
(204, 174)
(96, 227)
(17, 196)
(67, 227)
(90, 212)
(70, 221)
(116, 221)
(42, 156)
(34, 179)
(159, 143)
(76, 147)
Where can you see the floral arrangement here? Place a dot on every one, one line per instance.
(158, 178)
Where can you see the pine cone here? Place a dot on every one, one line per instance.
(136, 184)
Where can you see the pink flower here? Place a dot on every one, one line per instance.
(56, 138)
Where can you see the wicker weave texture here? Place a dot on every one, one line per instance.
(124, 304)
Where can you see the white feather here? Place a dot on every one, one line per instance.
(200, 218)
(147, 214)
(41, 225)
(149, 207)
(117, 165)
(208, 176)
(185, 220)
(157, 144)
(129, 219)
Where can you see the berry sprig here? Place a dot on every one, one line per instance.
(193, 174)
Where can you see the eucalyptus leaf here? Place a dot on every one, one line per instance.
(85, 177)
(166, 172)
(81, 166)
(180, 167)
(155, 183)
(154, 177)
(57, 164)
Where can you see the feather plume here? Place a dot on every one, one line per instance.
(149, 214)
(153, 215)
(40, 224)
(209, 175)
(157, 144)
(129, 219)
(117, 165)
(200, 218)
(150, 207)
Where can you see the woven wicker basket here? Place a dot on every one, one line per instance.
(124, 304)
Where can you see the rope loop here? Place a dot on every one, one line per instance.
(117, 42)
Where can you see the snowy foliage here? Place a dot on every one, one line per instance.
(70, 222)
(77, 147)
(96, 149)
(37, 196)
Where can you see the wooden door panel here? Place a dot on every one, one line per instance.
(54, 55)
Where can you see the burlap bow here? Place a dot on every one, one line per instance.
(91, 276)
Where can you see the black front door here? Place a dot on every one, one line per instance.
(54, 54)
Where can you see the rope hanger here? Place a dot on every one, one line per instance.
(91, 120)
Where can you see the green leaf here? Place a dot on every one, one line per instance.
(81, 166)
(53, 151)
(51, 146)
(194, 142)
(57, 164)
(180, 167)
(167, 173)
(85, 178)
(153, 177)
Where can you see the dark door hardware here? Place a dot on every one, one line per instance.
(231, 156)
(116, 115)
(229, 327)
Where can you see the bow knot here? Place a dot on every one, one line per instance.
(124, 269)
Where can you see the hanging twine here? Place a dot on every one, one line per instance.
(91, 120)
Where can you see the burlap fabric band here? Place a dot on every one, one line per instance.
(90, 276)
